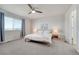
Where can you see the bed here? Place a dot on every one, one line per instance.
(44, 37)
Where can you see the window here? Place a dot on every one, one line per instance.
(8, 23)
(17, 24)
(12, 23)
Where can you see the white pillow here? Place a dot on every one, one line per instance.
(46, 32)
(40, 32)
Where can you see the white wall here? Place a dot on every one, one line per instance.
(52, 21)
(77, 27)
(68, 25)
(28, 26)
(12, 35)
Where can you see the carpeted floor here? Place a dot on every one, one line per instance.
(19, 47)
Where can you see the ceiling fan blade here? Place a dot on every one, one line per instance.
(30, 6)
(38, 11)
(29, 12)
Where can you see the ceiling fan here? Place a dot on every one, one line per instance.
(33, 9)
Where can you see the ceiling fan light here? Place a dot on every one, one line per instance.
(33, 11)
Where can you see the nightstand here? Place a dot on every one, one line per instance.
(55, 36)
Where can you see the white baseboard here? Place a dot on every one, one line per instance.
(77, 50)
(10, 41)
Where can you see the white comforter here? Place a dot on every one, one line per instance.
(39, 37)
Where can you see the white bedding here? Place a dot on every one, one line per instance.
(39, 37)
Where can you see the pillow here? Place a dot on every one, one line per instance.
(40, 32)
(46, 32)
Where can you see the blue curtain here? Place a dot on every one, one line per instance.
(1, 26)
(23, 28)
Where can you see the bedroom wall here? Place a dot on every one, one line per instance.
(12, 35)
(68, 26)
(77, 27)
(52, 21)
(28, 26)
(71, 14)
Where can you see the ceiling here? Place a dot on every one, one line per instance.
(47, 9)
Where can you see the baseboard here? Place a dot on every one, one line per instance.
(77, 50)
(9, 41)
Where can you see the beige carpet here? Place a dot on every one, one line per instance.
(19, 47)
